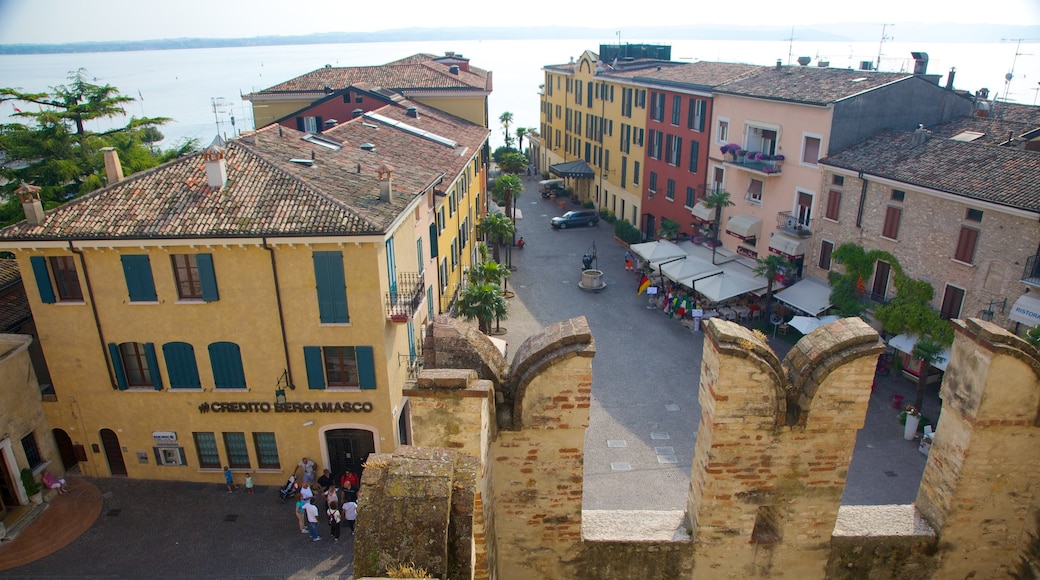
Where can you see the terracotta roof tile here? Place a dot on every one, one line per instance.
(700, 74)
(419, 71)
(999, 175)
(994, 130)
(14, 309)
(9, 273)
(813, 85)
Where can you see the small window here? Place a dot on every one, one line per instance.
(833, 204)
(974, 215)
(723, 132)
(825, 254)
(837, 180)
(66, 282)
(135, 364)
(898, 195)
(953, 299)
(32, 451)
(676, 109)
(811, 150)
(266, 450)
(206, 449)
(691, 197)
(195, 277)
(754, 192)
(891, 228)
(652, 186)
(669, 193)
(235, 447)
(341, 366)
(966, 244)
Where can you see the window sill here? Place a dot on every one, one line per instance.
(356, 389)
(148, 389)
(230, 389)
(833, 221)
(69, 302)
(335, 323)
(887, 239)
(966, 264)
(190, 301)
(143, 302)
(41, 467)
(186, 390)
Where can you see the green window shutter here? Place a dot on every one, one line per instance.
(433, 240)
(366, 366)
(43, 279)
(153, 365)
(226, 360)
(117, 365)
(315, 367)
(332, 289)
(181, 365)
(208, 277)
(138, 271)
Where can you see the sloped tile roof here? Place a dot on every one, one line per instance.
(14, 309)
(972, 170)
(9, 273)
(700, 74)
(267, 194)
(994, 131)
(420, 71)
(811, 85)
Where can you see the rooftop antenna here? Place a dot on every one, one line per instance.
(882, 44)
(1011, 73)
(790, 47)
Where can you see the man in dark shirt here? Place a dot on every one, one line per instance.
(325, 480)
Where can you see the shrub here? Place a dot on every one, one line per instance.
(588, 205)
(627, 232)
(607, 215)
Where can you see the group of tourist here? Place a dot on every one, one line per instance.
(339, 502)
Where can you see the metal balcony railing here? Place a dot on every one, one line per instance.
(767, 167)
(1031, 274)
(790, 223)
(402, 304)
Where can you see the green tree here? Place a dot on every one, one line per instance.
(488, 272)
(483, 302)
(768, 268)
(507, 188)
(513, 163)
(930, 353)
(499, 153)
(848, 287)
(521, 132)
(496, 228)
(52, 148)
(506, 118)
(1033, 336)
(717, 201)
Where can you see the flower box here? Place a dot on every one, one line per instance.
(399, 318)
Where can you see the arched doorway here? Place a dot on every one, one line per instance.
(348, 449)
(65, 448)
(113, 452)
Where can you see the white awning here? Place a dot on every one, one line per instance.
(657, 251)
(702, 213)
(810, 295)
(725, 286)
(744, 226)
(1026, 310)
(905, 343)
(789, 247)
(687, 268)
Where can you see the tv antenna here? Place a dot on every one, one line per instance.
(882, 44)
(1011, 73)
(790, 47)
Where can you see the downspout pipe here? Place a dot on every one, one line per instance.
(862, 200)
(97, 319)
(281, 313)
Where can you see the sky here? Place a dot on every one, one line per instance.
(62, 21)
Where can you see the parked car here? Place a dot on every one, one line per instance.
(551, 186)
(578, 217)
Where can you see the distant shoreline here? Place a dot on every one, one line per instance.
(849, 32)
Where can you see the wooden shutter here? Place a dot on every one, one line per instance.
(891, 229)
(433, 240)
(825, 254)
(117, 365)
(966, 245)
(833, 204)
(299, 124)
(207, 277)
(312, 358)
(181, 365)
(331, 286)
(318, 124)
(695, 155)
(153, 366)
(226, 360)
(366, 366)
(43, 279)
(138, 272)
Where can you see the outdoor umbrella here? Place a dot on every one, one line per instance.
(726, 286)
(657, 251)
(807, 324)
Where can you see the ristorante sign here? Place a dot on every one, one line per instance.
(265, 407)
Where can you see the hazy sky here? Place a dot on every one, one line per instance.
(58, 21)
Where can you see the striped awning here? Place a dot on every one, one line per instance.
(744, 226)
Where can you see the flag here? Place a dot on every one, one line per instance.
(16, 109)
(643, 285)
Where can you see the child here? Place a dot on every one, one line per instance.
(350, 514)
(249, 482)
(229, 479)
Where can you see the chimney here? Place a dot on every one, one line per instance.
(920, 136)
(386, 190)
(454, 69)
(31, 204)
(920, 63)
(357, 113)
(413, 112)
(949, 78)
(331, 123)
(112, 165)
(216, 168)
(779, 64)
(804, 60)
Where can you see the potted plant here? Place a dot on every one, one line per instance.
(910, 418)
(32, 487)
(730, 151)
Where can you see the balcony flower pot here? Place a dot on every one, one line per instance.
(399, 318)
(911, 419)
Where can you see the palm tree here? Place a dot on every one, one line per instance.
(483, 302)
(930, 352)
(520, 133)
(496, 228)
(488, 273)
(506, 118)
(717, 201)
(768, 268)
(508, 187)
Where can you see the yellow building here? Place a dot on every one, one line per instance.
(252, 304)
(447, 83)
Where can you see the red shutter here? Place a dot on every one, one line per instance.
(891, 229)
(833, 205)
(966, 245)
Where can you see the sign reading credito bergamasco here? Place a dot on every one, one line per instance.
(265, 407)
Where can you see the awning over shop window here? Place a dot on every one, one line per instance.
(1026, 310)
(905, 343)
(577, 169)
(744, 226)
(810, 295)
(702, 213)
(789, 247)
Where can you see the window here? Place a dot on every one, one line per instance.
(669, 193)
(691, 197)
(308, 124)
(891, 228)
(440, 219)
(65, 283)
(635, 173)
(811, 150)
(641, 98)
(624, 170)
(972, 215)
(837, 180)
(722, 135)
(898, 195)
(657, 106)
(331, 286)
(32, 451)
(695, 119)
(652, 187)
(969, 238)
(419, 255)
(340, 366)
(695, 156)
(833, 204)
(577, 92)
(135, 365)
(137, 270)
(195, 277)
(626, 102)
(825, 254)
(235, 446)
(953, 299)
(754, 192)
(206, 449)
(433, 240)
(226, 360)
(391, 268)
(266, 450)
(674, 150)
(444, 274)
(676, 109)
(181, 366)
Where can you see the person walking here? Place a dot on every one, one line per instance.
(335, 516)
(307, 466)
(249, 483)
(630, 265)
(301, 514)
(312, 519)
(350, 514)
(229, 479)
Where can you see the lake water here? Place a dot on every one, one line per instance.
(183, 84)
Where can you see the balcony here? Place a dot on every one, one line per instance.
(791, 224)
(758, 163)
(1031, 274)
(402, 304)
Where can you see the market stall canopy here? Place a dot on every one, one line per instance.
(1026, 310)
(905, 343)
(703, 213)
(807, 324)
(810, 295)
(726, 286)
(687, 268)
(744, 226)
(789, 247)
(577, 169)
(657, 251)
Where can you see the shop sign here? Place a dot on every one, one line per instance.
(164, 438)
(265, 407)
